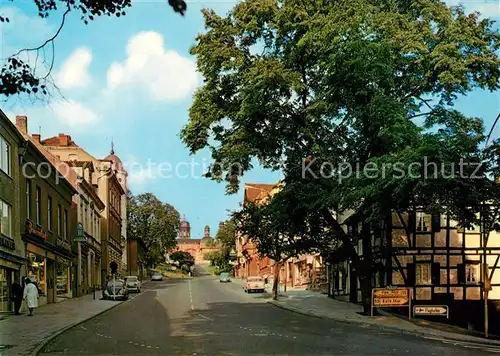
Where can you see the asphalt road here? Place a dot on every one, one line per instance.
(201, 316)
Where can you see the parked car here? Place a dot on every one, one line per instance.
(254, 284)
(133, 284)
(157, 276)
(224, 277)
(115, 290)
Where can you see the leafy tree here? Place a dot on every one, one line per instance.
(17, 76)
(184, 259)
(281, 230)
(226, 235)
(323, 90)
(153, 222)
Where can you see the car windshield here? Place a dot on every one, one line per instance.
(115, 282)
(254, 279)
(131, 279)
(224, 275)
(157, 274)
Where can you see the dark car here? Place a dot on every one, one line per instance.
(115, 290)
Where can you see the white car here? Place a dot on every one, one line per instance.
(133, 283)
(157, 276)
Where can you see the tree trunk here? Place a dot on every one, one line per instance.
(277, 267)
(366, 293)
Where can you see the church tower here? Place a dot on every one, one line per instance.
(207, 232)
(185, 229)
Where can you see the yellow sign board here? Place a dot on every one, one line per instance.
(391, 297)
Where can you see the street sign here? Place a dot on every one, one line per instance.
(432, 310)
(385, 297)
(391, 297)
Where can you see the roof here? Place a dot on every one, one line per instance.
(62, 167)
(58, 141)
(255, 192)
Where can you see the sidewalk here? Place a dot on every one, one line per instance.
(321, 306)
(21, 335)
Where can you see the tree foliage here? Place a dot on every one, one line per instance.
(184, 259)
(354, 102)
(17, 76)
(153, 222)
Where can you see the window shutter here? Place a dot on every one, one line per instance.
(436, 222)
(436, 274)
(410, 274)
(461, 273)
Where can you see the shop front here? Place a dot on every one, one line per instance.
(37, 271)
(63, 279)
(9, 272)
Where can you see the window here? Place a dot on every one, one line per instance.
(28, 198)
(38, 206)
(59, 220)
(49, 213)
(423, 274)
(65, 224)
(468, 273)
(5, 219)
(4, 156)
(423, 222)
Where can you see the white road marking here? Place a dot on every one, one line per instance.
(190, 295)
(83, 328)
(205, 317)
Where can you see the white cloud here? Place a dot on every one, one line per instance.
(486, 8)
(74, 114)
(165, 74)
(74, 71)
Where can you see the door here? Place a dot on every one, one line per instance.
(5, 290)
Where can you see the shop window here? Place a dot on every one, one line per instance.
(38, 206)
(5, 219)
(49, 213)
(62, 279)
(5, 156)
(36, 272)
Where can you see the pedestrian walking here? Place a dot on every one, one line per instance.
(31, 296)
(17, 297)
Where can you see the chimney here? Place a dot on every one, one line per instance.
(36, 137)
(63, 140)
(22, 123)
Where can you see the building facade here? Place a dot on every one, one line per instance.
(136, 255)
(12, 255)
(198, 248)
(88, 213)
(46, 219)
(110, 181)
(441, 263)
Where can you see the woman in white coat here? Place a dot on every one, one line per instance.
(31, 296)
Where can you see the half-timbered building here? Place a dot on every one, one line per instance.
(441, 263)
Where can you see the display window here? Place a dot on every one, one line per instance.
(63, 286)
(37, 271)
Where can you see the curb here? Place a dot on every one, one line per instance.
(383, 327)
(55, 334)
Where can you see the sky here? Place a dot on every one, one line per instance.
(130, 81)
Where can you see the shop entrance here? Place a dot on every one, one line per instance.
(7, 277)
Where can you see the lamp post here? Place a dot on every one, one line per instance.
(79, 238)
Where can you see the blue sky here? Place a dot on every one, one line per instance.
(108, 75)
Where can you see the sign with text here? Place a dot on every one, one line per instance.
(430, 310)
(387, 297)
(391, 297)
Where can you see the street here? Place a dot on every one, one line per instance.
(201, 316)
